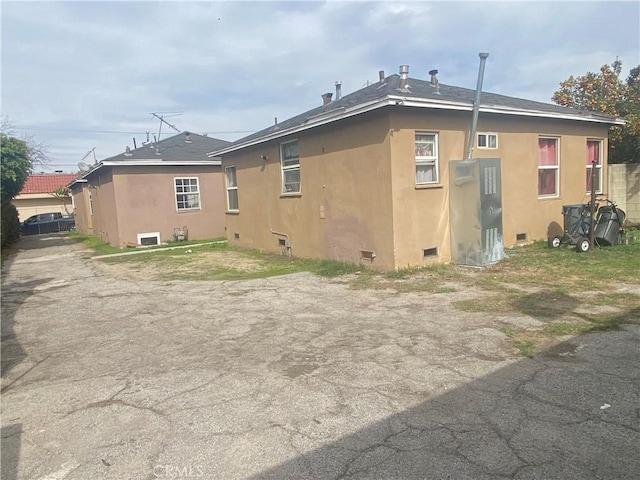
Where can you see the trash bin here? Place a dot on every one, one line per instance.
(609, 225)
(576, 219)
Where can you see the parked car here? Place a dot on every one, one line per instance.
(47, 223)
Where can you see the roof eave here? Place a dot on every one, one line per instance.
(216, 162)
(413, 102)
(77, 180)
(312, 122)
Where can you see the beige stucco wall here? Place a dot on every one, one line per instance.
(345, 203)
(146, 203)
(105, 204)
(129, 200)
(421, 216)
(31, 204)
(624, 189)
(361, 171)
(82, 211)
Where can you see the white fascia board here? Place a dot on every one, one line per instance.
(150, 162)
(341, 113)
(554, 115)
(312, 122)
(156, 162)
(77, 180)
(431, 103)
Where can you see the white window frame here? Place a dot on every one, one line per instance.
(292, 167)
(156, 235)
(186, 193)
(430, 160)
(555, 167)
(598, 165)
(487, 144)
(231, 188)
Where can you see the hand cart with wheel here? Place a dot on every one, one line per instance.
(608, 228)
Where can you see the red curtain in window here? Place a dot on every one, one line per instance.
(593, 152)
(547, 151)
(547, 182)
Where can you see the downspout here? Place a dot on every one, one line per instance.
(287, 244)
(476, 105)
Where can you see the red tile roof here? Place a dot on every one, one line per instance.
(46, 182)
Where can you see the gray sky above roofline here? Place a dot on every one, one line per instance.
(79, 75)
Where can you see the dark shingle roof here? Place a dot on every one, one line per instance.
(174, 148)
(446, 96)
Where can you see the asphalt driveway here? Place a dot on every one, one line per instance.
(292, 377)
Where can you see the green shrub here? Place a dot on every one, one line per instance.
(10, 224)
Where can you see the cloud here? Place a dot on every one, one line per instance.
(234, 66)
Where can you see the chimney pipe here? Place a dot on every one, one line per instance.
(381, 75)
(404, 76)
(434, 79)
(326, 98)
(476, 105)
(338, 90)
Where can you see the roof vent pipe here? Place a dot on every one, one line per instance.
(326, 98)
(381, 75)
(338, 90)
(434, 78)
(404, 76)
(476, 105)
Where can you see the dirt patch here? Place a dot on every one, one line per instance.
(172, 266)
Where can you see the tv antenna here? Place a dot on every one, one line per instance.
(161, 116)
(93, 150)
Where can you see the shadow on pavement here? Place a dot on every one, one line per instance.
(546, 304)
(569, 412)
(49, 240)
(13, 296)
(10, 451)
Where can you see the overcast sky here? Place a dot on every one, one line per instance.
(79, 75)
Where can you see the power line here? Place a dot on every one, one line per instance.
(47, 129)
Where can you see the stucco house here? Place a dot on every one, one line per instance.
(162, 191)
(37, 195)
(375, 176)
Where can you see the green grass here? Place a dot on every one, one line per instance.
(103, 248)
(98, 246)
(187, 264)
(554, 286)
(528, 341)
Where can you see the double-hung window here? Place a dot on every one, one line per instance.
(488, 140)
(290, 162)
(232, 188)
(426, 154)
(594, 154)
(548, 167)
(187, 193)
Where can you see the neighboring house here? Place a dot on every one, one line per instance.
(370, 176)
(38, 195)
(169, 190)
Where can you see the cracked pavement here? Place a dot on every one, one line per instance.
(293, 377)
